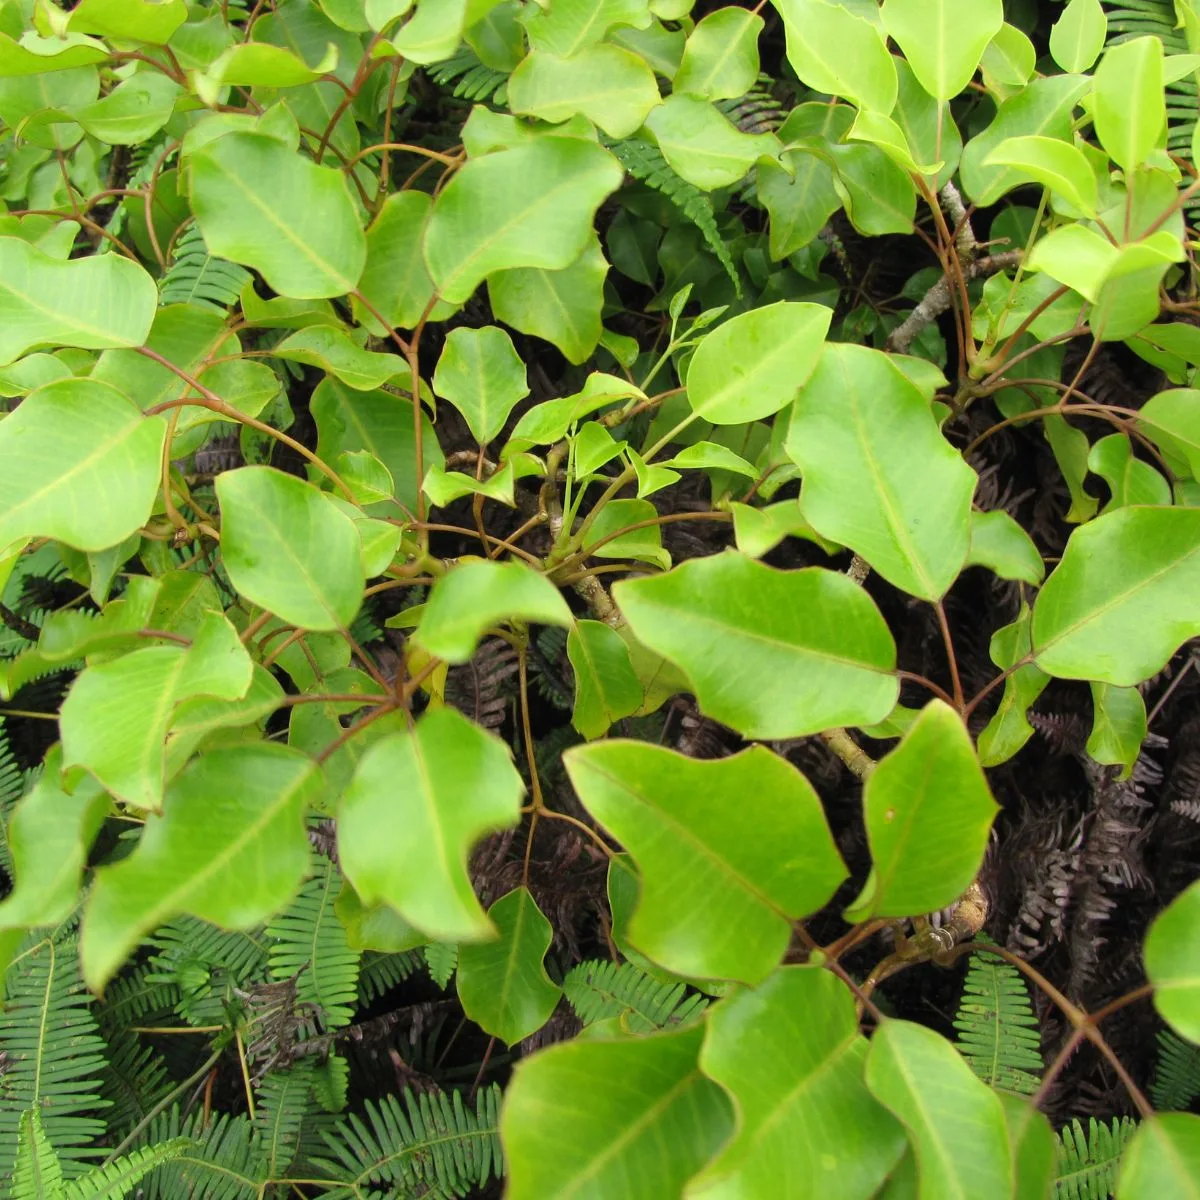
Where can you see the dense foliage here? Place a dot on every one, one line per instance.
(580, 585)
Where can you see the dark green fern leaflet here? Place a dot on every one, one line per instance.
(646, 164)
(197, 277)
(308, 942)
(599, 990)
(53, 1051)
(379, 973)
(997, 1030)
(12, 787)
(1177, 1073)
(428, 1146)
(471, 80)
(282, 1106)
(225, 1162)
(1087, 1164)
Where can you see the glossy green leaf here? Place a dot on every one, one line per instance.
(928, 813)
(563, 307)
(720, 59)
(791, 1056)
(395, 282)
(611, 87)
(531, 206)
(702, 145)
(1043, 107)
(1001, 545)
(152, 21)
(1077, 37)
(570, 25)
(288, 548)
(418, 803)
(1031, 1146)
(49, 835)
(503, 985)
(943, 41)
(1121, 601)
(1008, 60)
(261, 204)
(260, 64)
(115, 718)
(482, 375)
(611, 535)
(478, 594)
(716, 901)
(34, 55)
(1009, 729)
(79, 463)
(1172, 953)
(753, 364)
(380, 423)
(1129, 479)
(1173, 419)
(230, 848)
(606, 688)
(1162, 1159)
(132, 112)
(929, 128)
(797, 191)
(926, 1083)
(879, 197)
(1057, 165)
(432, 32)
(857, 427)
(97, 302)
(1118, 725)
(759, 530)
(333, 351)
(770, 653)
(1129, 106)
(862, 70)
(650, 1119)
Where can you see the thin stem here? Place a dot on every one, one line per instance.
(959, 702)
(535, 784)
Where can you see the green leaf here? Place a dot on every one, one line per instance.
(1057, 165)
(1118, 725)
(115, 718)
(1009, 729)
(1001, 545)
(644, 543)
(717, 901)
(78, 463)
(482, 375)
(1031, 1143)
(702, 145)
(791, 1056)
(288, 548)
(49, 835)
(531, 206)
(759, 530)
(1008, 60)
(943, 41)
(861, 70)
(606, 688)
(1130, 480)
(380, 423)
(611, 87)
(154, 21)
(1162, 1159)
(857, 427)
(395, 281)
(753, 364)
(928, 813)
(1077, 37)
(1172, 418)
(1129, 105)
(650, 1120)
(773, 654)
(1121, 601)
(94, 303)
(570, 25)
(1172, 953)
(563, 306)
(259, 64)
(503, 985)
(132, 112)
(259, 203)
(230, 848)
(332, 350)
(467, 601)
(418, 803)
(879, 197)
(923, 1080)
(433, 31)
(720, 59)
(1042, 107)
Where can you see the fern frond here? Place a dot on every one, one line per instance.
(205, 965)
(646, 164)
(331, 1081)
(13, 782)
(197, 277)
(54, 1053)
(471, 79)
(429, 1145)
(442, 960)
(1176, 1074)
(117, 1179)
(38, 1173)
(598, 990)
(282, 1104)
(134, 998)
(997, 1030)
(379, 973)
(134, 1079)
(309, 943)
(1087, 1164)
(221, 1161)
